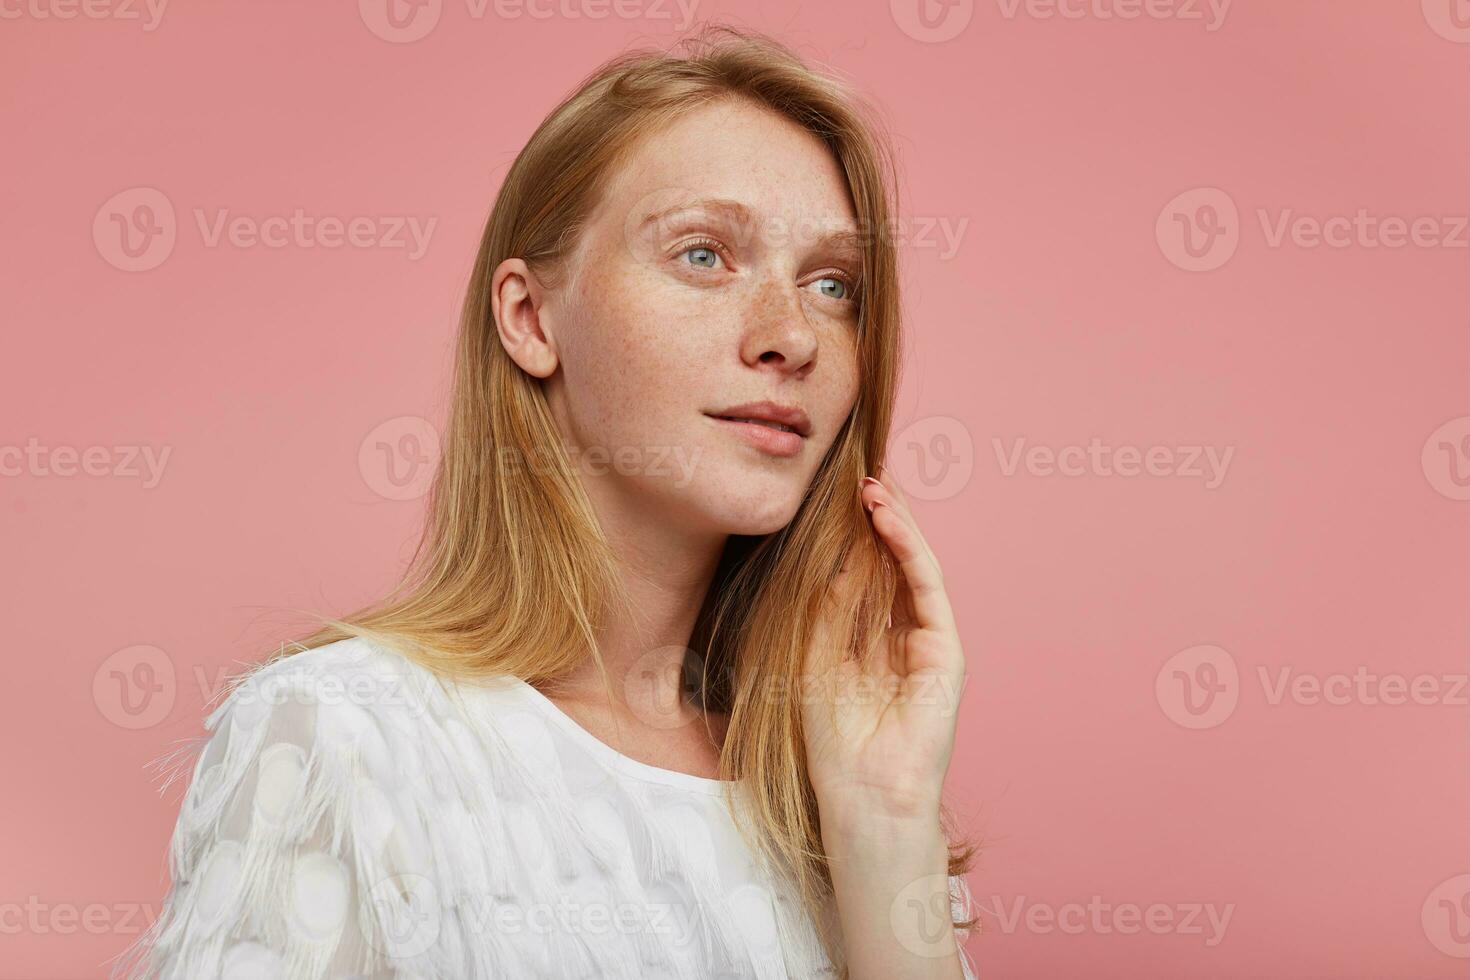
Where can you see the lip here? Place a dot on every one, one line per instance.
(771, 441)
(769, 411)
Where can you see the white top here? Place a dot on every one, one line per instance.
(352, 815)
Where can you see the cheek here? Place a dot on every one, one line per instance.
(843, 378)
(634, 354)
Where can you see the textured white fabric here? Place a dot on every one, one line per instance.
(352, 815)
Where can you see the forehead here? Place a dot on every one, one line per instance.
(738, 153)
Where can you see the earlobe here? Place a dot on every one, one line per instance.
(516, 304)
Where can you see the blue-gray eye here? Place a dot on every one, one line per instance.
(841, 287)
(701, 251)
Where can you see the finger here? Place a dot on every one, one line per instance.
(874, 493)
(890, 482)
(879, 490)
(925, 588)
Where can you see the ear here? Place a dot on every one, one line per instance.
(516, 298)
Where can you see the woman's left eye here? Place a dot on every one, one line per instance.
(704, 257)
(827, 284)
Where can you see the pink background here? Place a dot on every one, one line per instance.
(1336, 540)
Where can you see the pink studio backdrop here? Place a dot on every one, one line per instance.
(1185, 416)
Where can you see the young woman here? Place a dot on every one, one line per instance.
(670, 689)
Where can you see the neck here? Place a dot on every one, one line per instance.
(666, 570)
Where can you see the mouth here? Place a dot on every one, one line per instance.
(765, 422)
(772, 438)
(782, 418)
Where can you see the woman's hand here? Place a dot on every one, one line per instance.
(879, 734)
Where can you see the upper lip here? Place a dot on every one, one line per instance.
(769, 411)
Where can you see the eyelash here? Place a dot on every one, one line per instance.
(719, 249)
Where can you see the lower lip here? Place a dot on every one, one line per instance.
(765, 438)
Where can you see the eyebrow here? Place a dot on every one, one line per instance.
(844, 240)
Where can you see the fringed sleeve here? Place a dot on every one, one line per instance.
(298, 845)
(962, 909)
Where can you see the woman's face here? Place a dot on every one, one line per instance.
(713, 277)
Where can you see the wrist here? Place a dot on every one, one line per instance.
(860, 809)
(853, 822)
(885, 853)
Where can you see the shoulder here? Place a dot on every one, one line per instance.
(327, 716)
(346, 686)
(321, 786)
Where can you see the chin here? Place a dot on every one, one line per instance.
(753, 511)
(732, 490)
(759, 526)
(762, 510)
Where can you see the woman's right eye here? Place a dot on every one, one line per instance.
(702, 254)
(705, 257)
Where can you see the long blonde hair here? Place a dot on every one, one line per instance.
(513, 573)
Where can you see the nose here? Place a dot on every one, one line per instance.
(780, 335)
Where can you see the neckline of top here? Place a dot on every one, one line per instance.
(609, 755)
